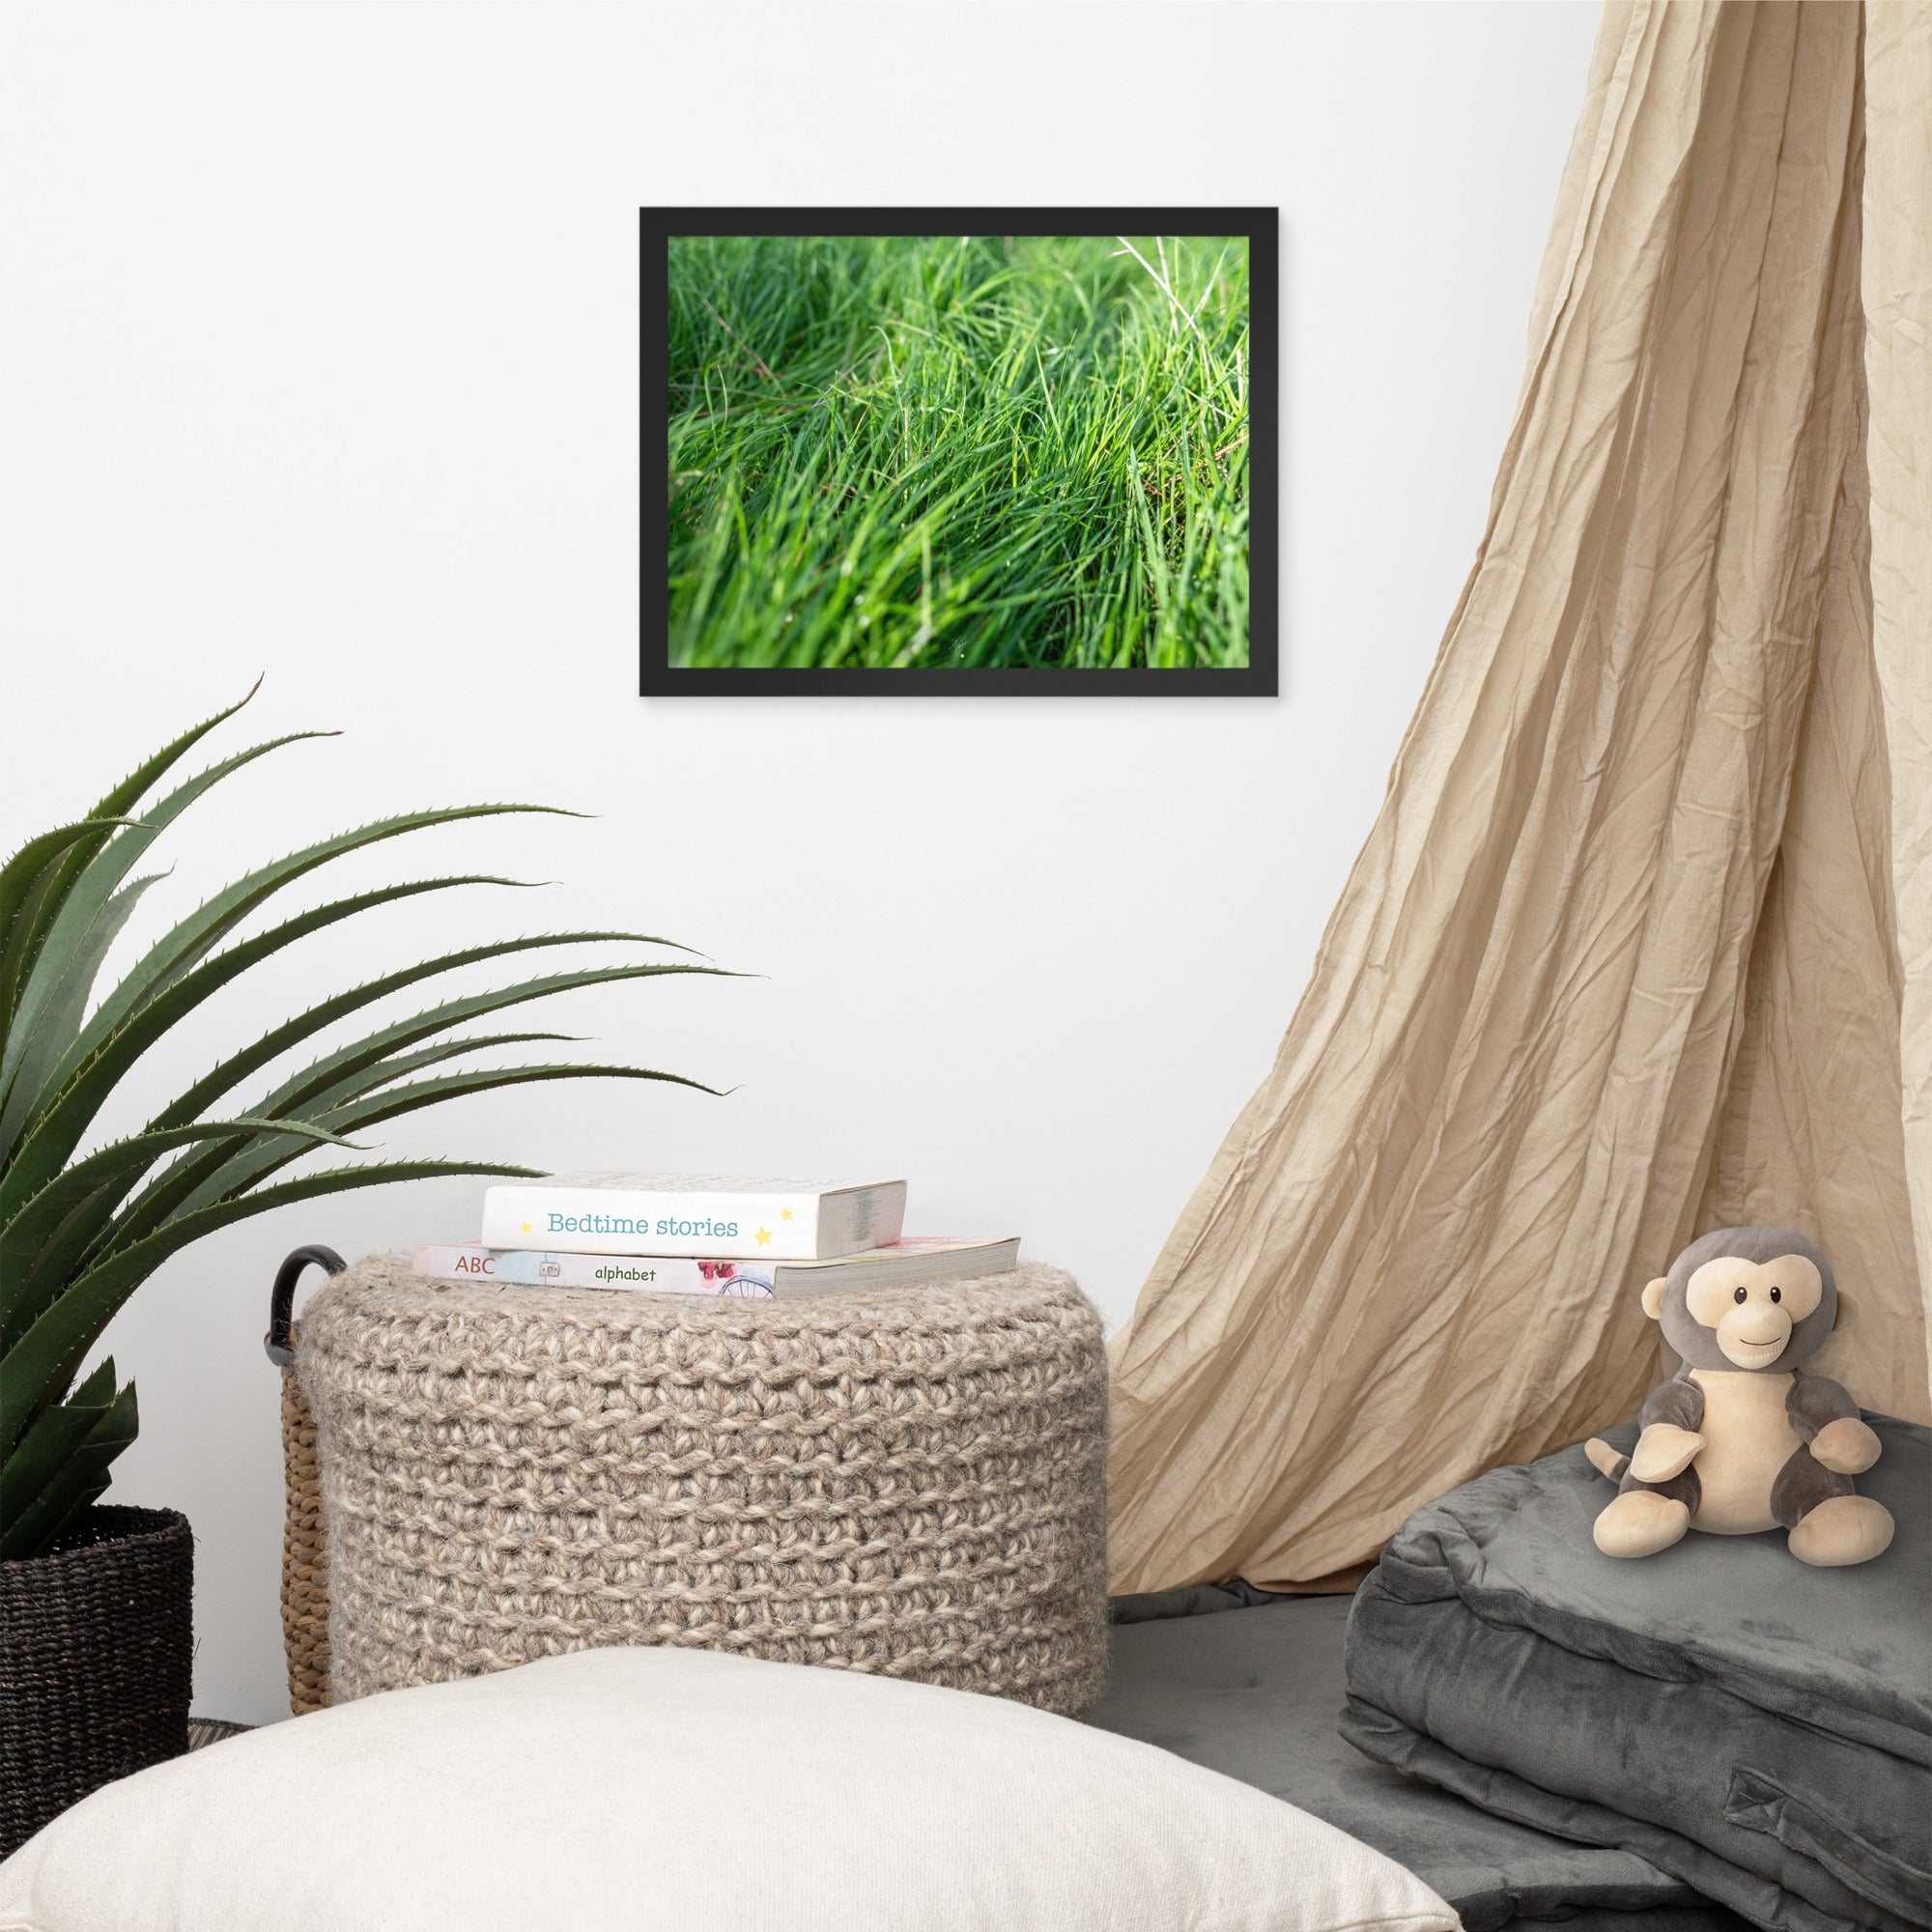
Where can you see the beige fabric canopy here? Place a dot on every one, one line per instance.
(1641, 942)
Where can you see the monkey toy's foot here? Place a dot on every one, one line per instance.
(1641, 1522)
(1842, 1529)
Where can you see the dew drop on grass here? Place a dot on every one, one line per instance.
(865, 623)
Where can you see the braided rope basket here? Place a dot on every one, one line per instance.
(304, 1549)
(305, 1557)
(908, 1481)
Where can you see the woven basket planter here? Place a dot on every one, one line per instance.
(97, 1655)
(909, 1482)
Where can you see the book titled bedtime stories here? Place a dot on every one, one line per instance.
(700, 1215)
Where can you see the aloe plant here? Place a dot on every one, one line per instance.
(80, 1231)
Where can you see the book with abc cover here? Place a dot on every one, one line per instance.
(920, 1258)
(699, 1215)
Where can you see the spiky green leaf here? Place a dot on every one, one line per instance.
(41, 1362)
(51, 890)
(194, 937)
(63, 947)
(58, 1129)
(37, 860)
(60, 1020)
(228, 1073)
(38, 1456)
(336, 1076)
(29, 1228)
(263, 1157)
(75, 1480)
(184, 1182)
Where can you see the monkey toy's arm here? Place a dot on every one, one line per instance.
(1670, 1439)
(1828, 1419)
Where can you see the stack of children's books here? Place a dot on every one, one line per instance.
(707, 1234)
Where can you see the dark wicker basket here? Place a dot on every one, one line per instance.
(95, 1660)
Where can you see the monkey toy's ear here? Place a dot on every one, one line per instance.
(1653, 1296)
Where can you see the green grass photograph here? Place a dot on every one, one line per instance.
(958, 452)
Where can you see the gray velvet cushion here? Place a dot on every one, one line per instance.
(1759, 1729)
(1254, 1692)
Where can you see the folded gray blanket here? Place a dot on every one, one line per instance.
(1760, 1729)
(1249, 1683)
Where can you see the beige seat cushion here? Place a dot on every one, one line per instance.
(682, 1789)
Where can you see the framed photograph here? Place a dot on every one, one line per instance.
(960, 449)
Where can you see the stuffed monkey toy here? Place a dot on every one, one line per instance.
(1740, 1438)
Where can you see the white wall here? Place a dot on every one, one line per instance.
(317, 339)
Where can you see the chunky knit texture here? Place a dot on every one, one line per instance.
(909, 1481)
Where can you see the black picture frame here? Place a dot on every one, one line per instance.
(1258, 677)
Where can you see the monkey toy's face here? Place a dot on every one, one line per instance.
(1754, 1298)
(1752, 1306)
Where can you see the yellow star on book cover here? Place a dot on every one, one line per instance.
(764, 1235)
(784, 1214)
(527, 1226)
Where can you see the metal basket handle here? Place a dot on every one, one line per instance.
(279, 1341)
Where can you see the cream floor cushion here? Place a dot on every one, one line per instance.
(683, 1789)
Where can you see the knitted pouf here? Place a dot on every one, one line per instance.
(909, 1481)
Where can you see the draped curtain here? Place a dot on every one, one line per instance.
(1641, 941)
